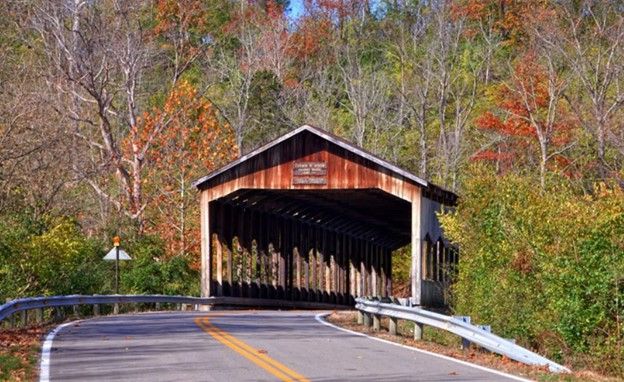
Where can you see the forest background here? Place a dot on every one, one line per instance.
(110, 109)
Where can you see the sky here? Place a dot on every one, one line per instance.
(296, 8)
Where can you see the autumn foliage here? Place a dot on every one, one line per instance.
(529, 117)
(194, 142)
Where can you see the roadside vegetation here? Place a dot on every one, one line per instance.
(442, 342)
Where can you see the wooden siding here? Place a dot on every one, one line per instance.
(273, 169)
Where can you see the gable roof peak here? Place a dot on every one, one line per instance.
(326, 136)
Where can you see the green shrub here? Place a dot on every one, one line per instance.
(151, 272)
(48, 257)
(545, 267)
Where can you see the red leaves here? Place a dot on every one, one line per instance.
(527, 114)
(489, 121)
(310, 37)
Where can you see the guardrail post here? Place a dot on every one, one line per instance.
(39, 315)
(418, 331)
(157, 307)
(58, 313)
(96, 309)
(393, 324)
(115, 308)
(376, 322)
(24, 318)
(465, 343)
(368, 321)
(75, 310)
(360, 317)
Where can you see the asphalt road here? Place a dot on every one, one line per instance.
(238, 346)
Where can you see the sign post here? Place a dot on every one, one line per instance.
(116, 242)
(117, 254)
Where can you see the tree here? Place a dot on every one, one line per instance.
(195, 142)
(590, 37)
(101, 66)
(532, 110)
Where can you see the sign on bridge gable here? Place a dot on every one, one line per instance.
(309, 173)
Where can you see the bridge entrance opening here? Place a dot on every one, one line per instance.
(310, 217)
(313, 245)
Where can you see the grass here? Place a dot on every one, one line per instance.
(8, 365)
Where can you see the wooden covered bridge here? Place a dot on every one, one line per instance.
(312, 217)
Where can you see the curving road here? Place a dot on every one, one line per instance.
(239, 346)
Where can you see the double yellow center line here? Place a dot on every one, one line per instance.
(258, 357)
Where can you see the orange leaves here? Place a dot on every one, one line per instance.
(528, 112)
(194, 141)
(507, 18)
(183, 14)
(310, 37)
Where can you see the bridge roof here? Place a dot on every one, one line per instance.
(431, 190)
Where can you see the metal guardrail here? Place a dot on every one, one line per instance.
(456, 326)
(25, 304)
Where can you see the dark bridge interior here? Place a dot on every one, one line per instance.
(315, 245)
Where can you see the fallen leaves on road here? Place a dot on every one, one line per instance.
(19, 352)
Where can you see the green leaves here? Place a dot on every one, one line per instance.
(542, 267)
(51, 257)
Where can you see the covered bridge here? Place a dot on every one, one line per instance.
(311, 217)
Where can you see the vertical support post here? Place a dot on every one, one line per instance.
(393, 324)
(283, 249)
(96, 309)
(206, 261)
(362, 255)
(332, 276)
(219, 254)
(416, 281)
(58, 314)
(418, 331)
(376, 322)
(360, 317)
(306, 272)
(384, 280)
(328, 273)
(388, 255)
(423, 260)
(297, 268)
(39, 315)
(313, 264)
(352, 271)
(368, 320)
(374, 271)
(320, 258)
(116, 269)
(24, 318)
(358, 268)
